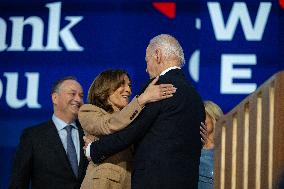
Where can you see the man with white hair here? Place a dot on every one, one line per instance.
(166, 133)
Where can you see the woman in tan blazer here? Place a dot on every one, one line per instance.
(109, 111)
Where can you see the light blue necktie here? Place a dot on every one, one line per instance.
(71, 151)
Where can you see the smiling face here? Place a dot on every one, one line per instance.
(67, 100)
(120, 97)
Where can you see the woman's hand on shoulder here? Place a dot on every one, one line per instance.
(155, 92)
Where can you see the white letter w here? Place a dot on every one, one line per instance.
(225, 32)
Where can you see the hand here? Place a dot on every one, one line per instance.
(155, 93)
(87, 142)
(204, 134)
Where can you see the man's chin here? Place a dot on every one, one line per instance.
(126, 103)
(75, 113)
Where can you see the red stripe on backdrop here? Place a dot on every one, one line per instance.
(166, 8)
(281, 3)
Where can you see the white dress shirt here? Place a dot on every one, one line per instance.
(60, 126)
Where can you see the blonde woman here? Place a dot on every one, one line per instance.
(213, 113)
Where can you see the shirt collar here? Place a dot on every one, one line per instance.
(168, 69)
(60, 124)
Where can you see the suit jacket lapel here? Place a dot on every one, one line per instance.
(83, 160)
(57, 145)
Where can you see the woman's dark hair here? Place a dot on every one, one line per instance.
(103, 86)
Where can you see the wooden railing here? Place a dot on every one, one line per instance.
(249, 140)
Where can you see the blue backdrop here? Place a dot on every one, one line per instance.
(230, 47)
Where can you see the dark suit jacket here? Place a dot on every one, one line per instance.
(41, 159)
(167, 139)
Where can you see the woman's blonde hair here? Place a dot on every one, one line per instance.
(213, 110)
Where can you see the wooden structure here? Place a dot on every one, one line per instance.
(249, 140)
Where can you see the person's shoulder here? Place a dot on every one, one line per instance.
(34, 135)
(90, 107)
(38, 128)
(172, 75)
(164, 79)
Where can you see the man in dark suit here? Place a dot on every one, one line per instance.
(166, 133)
(50, 154)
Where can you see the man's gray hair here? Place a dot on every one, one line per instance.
(169, 45)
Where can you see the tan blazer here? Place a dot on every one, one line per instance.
(114, 172)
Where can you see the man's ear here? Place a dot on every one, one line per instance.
(158, 55)
(54, 98)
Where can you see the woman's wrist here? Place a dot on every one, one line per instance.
(141, 100)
